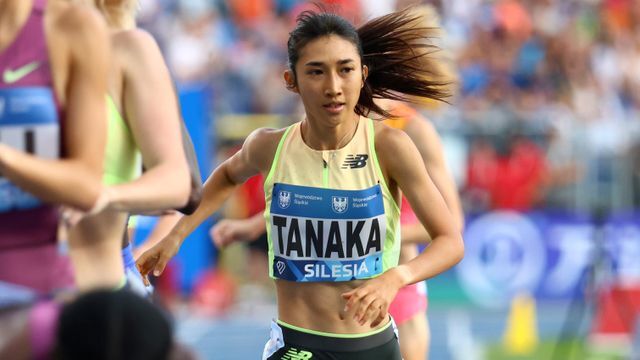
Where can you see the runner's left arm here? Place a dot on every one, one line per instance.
(76, 178)
(398, 156)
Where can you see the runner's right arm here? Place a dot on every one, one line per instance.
(152, 112)
(248, 161)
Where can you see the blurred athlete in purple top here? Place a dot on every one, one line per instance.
(53, 65)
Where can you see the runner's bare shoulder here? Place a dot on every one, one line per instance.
(76, 22)
(260, 147)
(75, 33)
(137, 47)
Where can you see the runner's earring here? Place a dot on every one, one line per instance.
(365, 74)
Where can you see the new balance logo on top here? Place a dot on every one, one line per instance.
(356, 161)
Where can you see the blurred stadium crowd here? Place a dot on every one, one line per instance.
(549, 94)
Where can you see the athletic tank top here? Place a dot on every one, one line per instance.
(329, 214)
(403, 115)
(122, 162)
(30, 120)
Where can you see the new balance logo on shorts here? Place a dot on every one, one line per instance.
(356, 161)
(295, 354)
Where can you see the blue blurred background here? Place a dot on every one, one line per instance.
(543, 139)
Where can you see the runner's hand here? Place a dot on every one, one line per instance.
(156, 259)
(369, 303)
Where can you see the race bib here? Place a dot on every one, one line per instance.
(29, 123)
(325, 234)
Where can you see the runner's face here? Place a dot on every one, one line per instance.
(329, 79)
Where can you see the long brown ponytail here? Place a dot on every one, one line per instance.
(402, 59)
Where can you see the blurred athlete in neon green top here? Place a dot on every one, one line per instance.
(123, 161)
(144, 126)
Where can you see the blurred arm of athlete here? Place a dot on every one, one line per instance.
(254, 157)
(426, 138)
(164, 224)
(398, 156)
(152, 112)
(229, 231)
(79, 41)
(195, 190)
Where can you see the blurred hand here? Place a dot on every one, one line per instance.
(229, 231)
(71, 216)
(156, 259)
(369, 303)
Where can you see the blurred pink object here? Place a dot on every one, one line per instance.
(617, 314)
(214, 293)
(513, 181)
(24, 266)
(618, 15)
(250, 10)
(511, 16)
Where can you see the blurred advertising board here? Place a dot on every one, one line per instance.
(548, 254)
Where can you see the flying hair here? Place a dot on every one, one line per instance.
(398, 48)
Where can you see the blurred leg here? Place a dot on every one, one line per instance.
(415, 337)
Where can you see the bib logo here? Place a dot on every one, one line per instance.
(280, 266)
(284, 199)
(339, 204)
